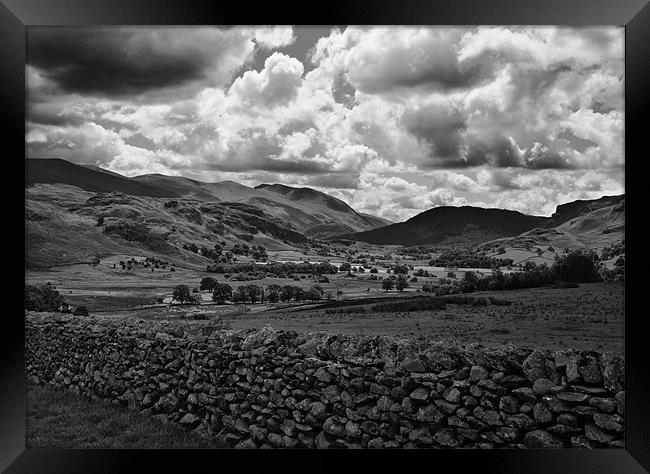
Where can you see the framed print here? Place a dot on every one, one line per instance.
(391, 227)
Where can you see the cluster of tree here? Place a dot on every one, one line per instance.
(191, 247)
(281, 270)
(248, 293)
(574, 267)
(183, 295)
(401, 269)
(399, 283)
(467, 258)
(213, 253)
(613, 250)
(287, 293)
(222, 292)
(149, 262)
(419, 252)
(43, 298)
(47, 298)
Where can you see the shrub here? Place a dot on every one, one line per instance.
(80, 311)
(42, 298)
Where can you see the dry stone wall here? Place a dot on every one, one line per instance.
(266, 388)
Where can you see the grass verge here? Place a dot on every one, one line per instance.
(62, 419)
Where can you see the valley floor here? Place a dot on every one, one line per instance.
(588, 317)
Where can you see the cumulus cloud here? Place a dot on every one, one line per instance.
(385, 59)
(276, 84)
(393, 120)
(274, 37)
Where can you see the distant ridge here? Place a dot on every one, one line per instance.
(54, 170)
(447, 225)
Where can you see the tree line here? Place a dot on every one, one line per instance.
(222, 292)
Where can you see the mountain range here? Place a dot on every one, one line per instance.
(75, 212)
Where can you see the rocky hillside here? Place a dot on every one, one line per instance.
(310, 212)
(593, 224)
(65, 224)
(78, 213)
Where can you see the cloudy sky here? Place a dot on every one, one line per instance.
(393, 120)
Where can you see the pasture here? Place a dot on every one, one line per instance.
(588, 317)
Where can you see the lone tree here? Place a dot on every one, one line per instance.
(80, 311)
(208, 283)
(183, 295)
(387, 285)
(221, 292)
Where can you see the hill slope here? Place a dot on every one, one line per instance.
(451, 225)
(305, 210)
(50, 171)
(595, 224)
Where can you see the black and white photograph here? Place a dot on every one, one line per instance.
(325, 237)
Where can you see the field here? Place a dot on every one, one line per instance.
(588, 317)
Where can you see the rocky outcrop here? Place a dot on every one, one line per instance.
(281, 389)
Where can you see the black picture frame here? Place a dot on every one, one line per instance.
(16, 15)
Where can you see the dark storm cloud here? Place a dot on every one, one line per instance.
(110, 61)
(122, 60)
(440, 127)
